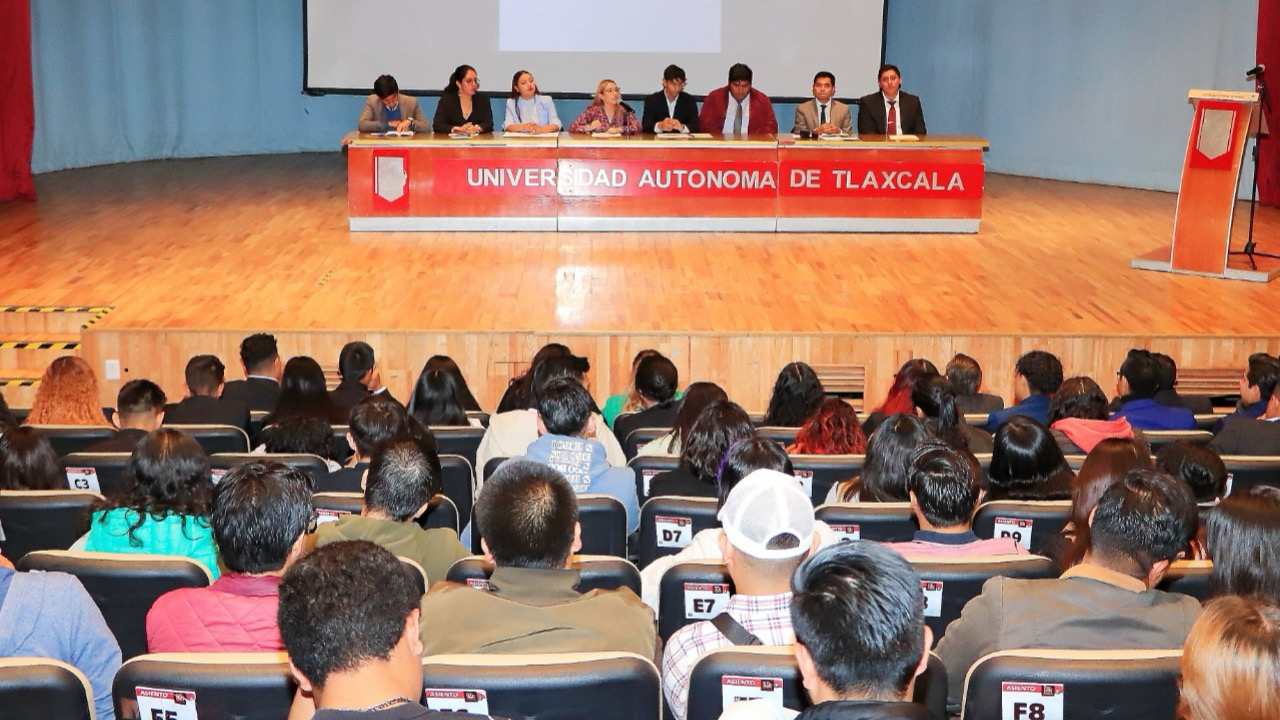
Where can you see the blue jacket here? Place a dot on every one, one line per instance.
(1035, 406)
(1147, 414)
(1248, 411)
(582, 461)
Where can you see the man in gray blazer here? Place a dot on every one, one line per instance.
(386, 109)
(823, 116)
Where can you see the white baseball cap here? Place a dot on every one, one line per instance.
(764, 506)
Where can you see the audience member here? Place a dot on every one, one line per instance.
(1026, 463)
(301, 435)
(67, 395)
(1198, 466)
(945, 487)
(374, 422)
(51, 615)
(832, 429)
(1078, 418)
(1137, 384)
(446, 363)
(1168, 394)
(350, 621)
(861, 640)
(566, 444)
(1244, 539)
(260, 359)
(436, 401)
(738, 108)
(1107, 602)
(696, 399)
(884, 475)
(898, 399)
(768, 529)
(510, 433)
(527, 518)
(630, 400)
(1231, 663)
(28, 462)
(1256, 387)
(797, 393)
(519, 392)
(302, 392)
(260, 518)
(1107, 464)
(1244, 435)
(164, 506)
(400, 483)
(1036, 376)
(139, 410)
(936, 403)
(360, 375)
(720, 425)
(965, 375)
(204, 404)
(656, 381)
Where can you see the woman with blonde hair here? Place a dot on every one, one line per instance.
(606, 113)
(1231, 662)
(67, 395)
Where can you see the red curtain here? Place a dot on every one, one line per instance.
(1269, 55)
(17, 103)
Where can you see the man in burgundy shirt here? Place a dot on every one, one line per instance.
(737, 107)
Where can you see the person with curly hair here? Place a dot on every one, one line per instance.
(67, 395)
(833, 429)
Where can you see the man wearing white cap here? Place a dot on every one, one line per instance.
(768, 531)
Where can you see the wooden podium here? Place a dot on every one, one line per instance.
(1220, 128)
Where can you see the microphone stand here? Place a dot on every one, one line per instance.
(1250, 246)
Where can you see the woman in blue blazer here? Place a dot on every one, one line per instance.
(527, 110)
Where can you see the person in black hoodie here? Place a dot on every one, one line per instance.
(656, 382)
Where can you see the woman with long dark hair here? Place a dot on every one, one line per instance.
(529, 111)
(1244, 540)
(797, 393)
(437, 401)
(696, 399)
(1106, 465)
(447, 364)
(628, 400)
(28, 462)
(518, 395)
(884, 475)
(1026, 463)
(164, 508)
(303, 392)
(934, 398)
(463, 109)
(898, 399)
(720, 425)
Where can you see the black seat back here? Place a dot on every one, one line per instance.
(948, 585)
(1030, 522)
(1246, 471)
(819, 473)
(123, 586)
(42, 519)
(668, 524)
(38, 687)
(1159, 438)
(1189, 577)
(107, 468)
(552, 686)
(491, 466)
(461, 440)
(640, 437)
(598, 572)
(784, 436)
(458, 483)
(604, 525)
(226, 686)
(648, 466)
(882, 522)
(217, 438)
(313, 465)
(67, 439)
(690, 592)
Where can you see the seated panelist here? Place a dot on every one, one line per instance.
(823, 116)
(386, 109)
(462, 108)
(890, 112)
(527, 110)
(671, 109)
(606, 113)
(737, 107)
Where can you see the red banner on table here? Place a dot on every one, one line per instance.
(492, 176)
(658, 178)
(854, 178)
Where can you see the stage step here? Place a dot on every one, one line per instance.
(19, 386)
(38, 321)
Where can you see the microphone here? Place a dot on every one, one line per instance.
(626, 128)
(1256, 72)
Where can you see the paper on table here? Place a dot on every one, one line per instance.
(841, 137)
(907, 138)
(674, 136)
(700, 136)
(606, 134)
(531, 135)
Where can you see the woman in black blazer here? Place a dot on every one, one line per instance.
(462, 109)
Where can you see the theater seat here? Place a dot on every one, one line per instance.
(491, 466)
(227, 686)
(882, 522)
(950, 584)
(415, 572)
(690, 592)
(107, 467)
(33, 687)
(440, 509)
(1245, 471)
(458, 482)
(42, 520)
(1030, 522)
(819, 473)
(67, 439)
(313, 465)
(217, 438)
(604, 525)
(646, 467)
(123, 586)
(598, 571)
(463, 441)
(640, 437)
(669, 523)
(1189, 577)
(1129, 684)
(553, 686)
(1159, 438)
(784, 436)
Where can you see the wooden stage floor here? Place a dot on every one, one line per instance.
(192, 254)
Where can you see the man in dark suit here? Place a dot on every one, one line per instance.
(965, 375)
(139, 410)
(1168, 394)
(204, 404)
(1244, 435)
(262, 368)
(360, 376)
(877, 109)
(670, 109)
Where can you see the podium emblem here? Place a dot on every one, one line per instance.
(390, 177)
(1216, 129)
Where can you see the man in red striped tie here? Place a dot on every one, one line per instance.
(890, 112)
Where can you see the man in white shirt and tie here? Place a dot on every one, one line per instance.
(890, 112)
(738, 108)
(823, 116)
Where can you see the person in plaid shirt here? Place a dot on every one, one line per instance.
(768, 530)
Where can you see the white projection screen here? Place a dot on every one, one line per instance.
(570, 45)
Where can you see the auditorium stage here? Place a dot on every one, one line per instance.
(190, 255)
